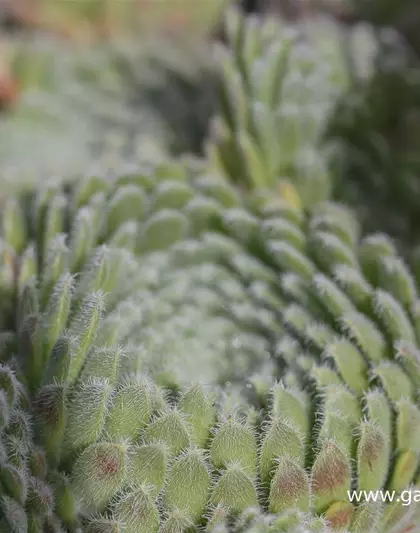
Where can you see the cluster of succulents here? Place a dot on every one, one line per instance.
(183, 354)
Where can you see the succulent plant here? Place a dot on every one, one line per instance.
(178, 357)
(278, 92)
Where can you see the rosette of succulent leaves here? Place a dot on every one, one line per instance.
(178, 356)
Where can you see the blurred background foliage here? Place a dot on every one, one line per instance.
(102, 83)
(83, 81)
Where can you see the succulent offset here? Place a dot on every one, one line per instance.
(277, 97)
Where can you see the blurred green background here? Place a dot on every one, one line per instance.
(88, 81)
